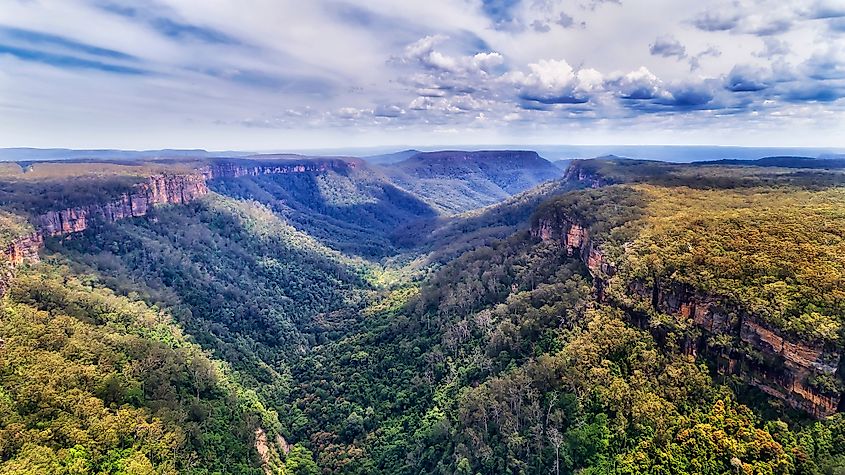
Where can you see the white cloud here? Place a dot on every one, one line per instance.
(640, 84)
(310, 70)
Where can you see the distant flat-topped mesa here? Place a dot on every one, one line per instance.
(276, 164)
(452, 161)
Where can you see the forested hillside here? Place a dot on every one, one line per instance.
(298, 316)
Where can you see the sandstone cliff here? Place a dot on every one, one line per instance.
(157, 190)
(776, 363)
(581, 171)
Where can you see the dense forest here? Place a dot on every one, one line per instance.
(340, 323)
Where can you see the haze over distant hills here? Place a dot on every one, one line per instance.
(456, 181)
(30, 154)
(383, 155)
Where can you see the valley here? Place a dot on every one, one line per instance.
(435, 312)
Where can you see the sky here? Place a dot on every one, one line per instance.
(293, 74)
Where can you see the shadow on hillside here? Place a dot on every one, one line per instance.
(355, 215)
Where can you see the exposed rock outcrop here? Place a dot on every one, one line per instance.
(24, 249)
(576, 242)
(579, 171)
(157, 190)
(776, 363)
(241, 168)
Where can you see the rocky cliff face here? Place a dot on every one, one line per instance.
(578, 171)
(778, 364)
(576, 242)
(761, 355)
(156, 190)
(241, 168)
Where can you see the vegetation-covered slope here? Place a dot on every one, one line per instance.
(91, 382)
(353, 210)
(246, 284)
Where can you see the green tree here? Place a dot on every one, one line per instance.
(300, 461)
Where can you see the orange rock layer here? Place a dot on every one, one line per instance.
(783, 364)
(156, 190)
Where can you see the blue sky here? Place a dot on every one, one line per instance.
(277, 74)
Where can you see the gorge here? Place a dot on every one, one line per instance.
(302, 314)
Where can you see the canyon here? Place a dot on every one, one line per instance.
(780, 365)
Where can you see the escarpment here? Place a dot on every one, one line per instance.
(581, 172)
(734, 340)
(242, 168)
(161, 189)
(157, 190)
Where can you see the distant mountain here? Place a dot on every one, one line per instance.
(826, 162)
(676, 153)
(457, 181)
(37, 154)
(391, 157)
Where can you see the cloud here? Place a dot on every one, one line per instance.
(390, 111)
(565, 20)
(642, 91)
(555, 82)
(773, 47)
(746, 79)
(716, 20)
(593, 4)
(688, 96)
(837, 25)
(825, 93)
(62, 52)
(825, 64)
(425, 53)
(764, 26)
(668, 46)
(711, 52)
(765, 19)
(289, 83)
(39, 39)
(540, 26)
(639, 85)
(167, 26)
(825, 9)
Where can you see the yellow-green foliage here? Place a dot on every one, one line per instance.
(12, 226)
(777, 252)
(91, 382)
(393, 301)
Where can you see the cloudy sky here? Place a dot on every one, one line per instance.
(276, 74)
